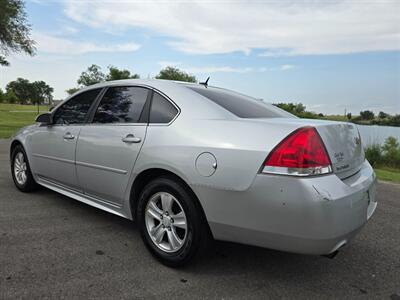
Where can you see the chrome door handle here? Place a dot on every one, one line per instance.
(68, 136)
(130, 138)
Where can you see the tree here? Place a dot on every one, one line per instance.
(116, 74)
(14, 30)
(94, 75)
(299, 108)
(348, 116)
(41, 93)
(72, 91)
(367, 115)
(21, 88)
(172, 73)
(295, 108)
(2, 96)
(91, 76)
(382, 115)
(29, 92)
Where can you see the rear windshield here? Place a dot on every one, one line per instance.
(240, 105)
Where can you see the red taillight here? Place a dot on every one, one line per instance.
(300, 153)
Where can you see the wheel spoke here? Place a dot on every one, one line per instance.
(159, 233)
(17, 164)
(23, 177)
(154, 211)
(179, 220)
(173, 239)
(166, 202)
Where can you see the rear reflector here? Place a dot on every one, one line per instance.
(302, 153)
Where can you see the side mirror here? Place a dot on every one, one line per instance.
(45, 119)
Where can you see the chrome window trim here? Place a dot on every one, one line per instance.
(83, 90)
(172, 102)
(153, 89)
(115, 124)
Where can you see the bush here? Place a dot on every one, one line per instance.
(10, 97)
(386, 155)
(373, 154)
(391, 152)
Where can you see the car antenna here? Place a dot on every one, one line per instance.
(205, 83)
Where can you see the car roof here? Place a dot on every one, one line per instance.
(191, 104)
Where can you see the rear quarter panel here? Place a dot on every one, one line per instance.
(240, 148)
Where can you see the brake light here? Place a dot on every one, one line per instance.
(301, 153)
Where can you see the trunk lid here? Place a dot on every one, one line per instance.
(342, 141)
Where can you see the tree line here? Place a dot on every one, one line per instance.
(94, 74)
(365, 117)
(22, 91)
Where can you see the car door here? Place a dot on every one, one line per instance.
(53, 146)
(107, 148)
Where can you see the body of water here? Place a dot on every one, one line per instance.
(374, 134)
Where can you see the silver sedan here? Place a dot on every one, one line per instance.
(190, 161)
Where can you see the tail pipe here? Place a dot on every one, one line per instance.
(331, 255)
(336, 251)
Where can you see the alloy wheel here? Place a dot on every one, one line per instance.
(20, 168)
(166, 222)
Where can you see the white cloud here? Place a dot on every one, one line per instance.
(57, 45)
(278, 27)
(70, 29)
(166, 63)
(286, 67)
(223, 69)
(210, 69)
(215, 69)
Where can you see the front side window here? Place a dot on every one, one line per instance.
(162, 111)
(121, 105)
(75, 110)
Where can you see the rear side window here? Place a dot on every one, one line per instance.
(240, 105)
(162, 111)
(121, 105)
(75, 110)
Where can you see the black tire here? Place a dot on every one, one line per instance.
(196, 233)
(29, 185)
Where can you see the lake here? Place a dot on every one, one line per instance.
(374, 134)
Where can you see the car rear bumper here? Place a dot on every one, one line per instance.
(314, 215)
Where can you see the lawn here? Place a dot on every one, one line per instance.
(388, 174)
(15, 116)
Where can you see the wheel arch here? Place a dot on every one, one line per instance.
(14, 144)
(143, 178)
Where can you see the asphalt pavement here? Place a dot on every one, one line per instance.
(55, 247)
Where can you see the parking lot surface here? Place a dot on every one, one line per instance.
(55, 247)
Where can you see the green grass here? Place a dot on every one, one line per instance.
(15, 116)
(388, 174)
